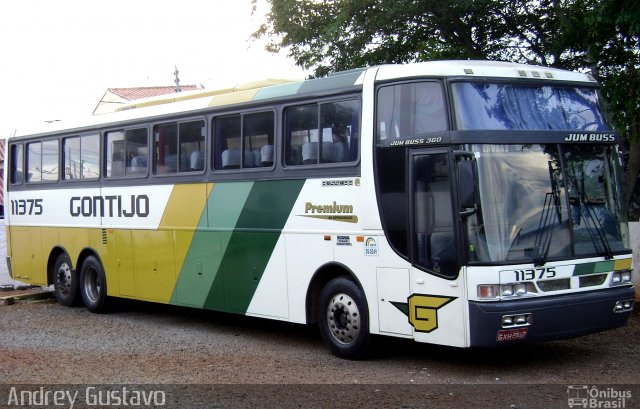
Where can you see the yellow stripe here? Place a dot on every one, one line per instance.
(624, 264)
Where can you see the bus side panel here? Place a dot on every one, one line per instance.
(124, 266)
(195, 286)
(154, 265)
(160, 254)
(26, 255)
(271, 298)
(253, 241)
(200, 268)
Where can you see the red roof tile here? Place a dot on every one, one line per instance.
(131, 94)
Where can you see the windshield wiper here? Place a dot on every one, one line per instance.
(544, 235)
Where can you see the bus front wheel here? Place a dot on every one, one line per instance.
(65, 282)
(93, 285)
(343, 318)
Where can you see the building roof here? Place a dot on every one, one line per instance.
(131, 94)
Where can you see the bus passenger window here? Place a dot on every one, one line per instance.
(301, 133)
(339, 122)
(81, 157)
(42, 161)
(127, 152)
(191, 146)
(16, 164)
(243, 141)
(322, 133)
(179, 147)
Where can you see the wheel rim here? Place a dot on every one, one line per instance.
(92, 285)
(64, 279)
(343, 318)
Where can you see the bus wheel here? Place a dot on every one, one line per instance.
(343, 318)
(93, 285)
(65, 282)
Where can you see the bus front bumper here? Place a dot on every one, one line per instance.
(547, 318)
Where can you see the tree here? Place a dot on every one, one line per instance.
(600, 36)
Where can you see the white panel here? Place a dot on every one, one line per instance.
(134, 207)
(393, 286)
(271, 298)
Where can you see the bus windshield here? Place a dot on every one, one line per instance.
(487, 106)
(542, 201)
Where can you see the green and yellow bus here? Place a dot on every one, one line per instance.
(461, 203)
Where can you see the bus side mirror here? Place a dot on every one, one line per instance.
(466, 187)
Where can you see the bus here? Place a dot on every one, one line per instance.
(458, 203)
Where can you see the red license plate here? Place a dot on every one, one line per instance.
(515, 334)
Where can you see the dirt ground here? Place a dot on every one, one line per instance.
(187, 351)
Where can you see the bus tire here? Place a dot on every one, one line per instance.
(65, 282)
(93, 285)
(343, 318)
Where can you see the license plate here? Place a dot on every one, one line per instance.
(515, 334)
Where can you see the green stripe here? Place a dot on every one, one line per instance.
(277, 91)
(594, 268)
(604, 266)
(249, 248)
(209, 243)
(583, 269)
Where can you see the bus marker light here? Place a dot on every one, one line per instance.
(360, 239)
(487, 291)
(327, 237)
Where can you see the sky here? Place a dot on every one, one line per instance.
(58, 57)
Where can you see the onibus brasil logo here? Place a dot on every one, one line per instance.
(583, 396)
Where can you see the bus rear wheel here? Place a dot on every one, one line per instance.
(65, 282)
(343, 318)
(93, 285)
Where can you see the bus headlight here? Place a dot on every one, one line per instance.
(621, 278)
(494, 291)
(517, 289)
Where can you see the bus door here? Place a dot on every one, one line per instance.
(436, 303)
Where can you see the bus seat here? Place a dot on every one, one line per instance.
(197, 160)
(138, 164)
(327, 152)
(266, 155)
(310, 153)
(231, 159)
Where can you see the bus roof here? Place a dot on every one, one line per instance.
(193, 101)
